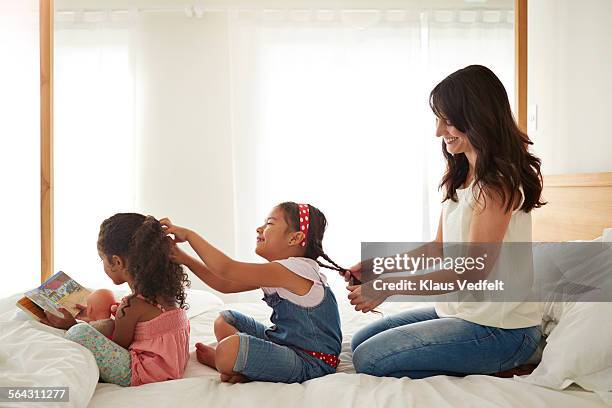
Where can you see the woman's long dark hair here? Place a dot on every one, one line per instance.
(141, 242)
(475, 102)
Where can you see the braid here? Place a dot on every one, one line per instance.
(335, 266)
(314, 239)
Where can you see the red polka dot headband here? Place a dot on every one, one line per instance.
(304, 212)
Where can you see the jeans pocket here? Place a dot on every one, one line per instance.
(527, 347)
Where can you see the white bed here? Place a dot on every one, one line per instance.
(580, 206)
(201, 385)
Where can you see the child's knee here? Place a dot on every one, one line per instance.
(222, 327)
(79, 332)
(220, 323)
(226, 354)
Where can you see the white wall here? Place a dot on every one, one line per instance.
(192, 185)
(158, 137)
(570, 81)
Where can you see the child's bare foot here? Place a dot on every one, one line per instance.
(206, 355)
(234, 378)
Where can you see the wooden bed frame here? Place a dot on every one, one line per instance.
(579, 207)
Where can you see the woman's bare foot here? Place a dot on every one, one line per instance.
(206, 355)
(234, 378)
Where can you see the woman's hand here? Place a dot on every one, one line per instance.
(65, 322)
(180, 234)
(354, 272)
(361, 302)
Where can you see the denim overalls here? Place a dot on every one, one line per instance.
(277, 353)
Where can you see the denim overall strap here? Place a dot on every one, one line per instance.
(314, 328)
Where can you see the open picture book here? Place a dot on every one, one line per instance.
(60, 290)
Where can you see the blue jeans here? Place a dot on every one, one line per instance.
(260, 359)
(418, 344)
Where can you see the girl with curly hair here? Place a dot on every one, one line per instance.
(150, 342)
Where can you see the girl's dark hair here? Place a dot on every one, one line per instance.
(316, 229)
(314, 239)
(475, 102)
(141, 242)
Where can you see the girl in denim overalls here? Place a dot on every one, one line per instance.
(304, 340)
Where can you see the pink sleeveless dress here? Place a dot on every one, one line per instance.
(160, 348)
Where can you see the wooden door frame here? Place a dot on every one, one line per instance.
(520, 61)
(46, 138)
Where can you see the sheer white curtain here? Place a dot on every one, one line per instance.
(19, 144)
(94, 142)
(331, 108)
(342, 123)
(142, 124)
(214, 115)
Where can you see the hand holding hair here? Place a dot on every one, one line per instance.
(352, 275)
(362, 303)
(180, 234)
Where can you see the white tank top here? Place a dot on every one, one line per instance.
(456, 220)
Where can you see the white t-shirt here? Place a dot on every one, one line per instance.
(306, 268)
(456, 220)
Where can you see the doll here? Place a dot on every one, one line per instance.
(101, 305)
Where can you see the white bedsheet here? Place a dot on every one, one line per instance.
(202, 388)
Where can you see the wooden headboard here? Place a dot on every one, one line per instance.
(579, 207)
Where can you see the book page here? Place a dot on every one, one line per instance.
(60, 290)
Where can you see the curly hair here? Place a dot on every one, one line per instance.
(141, 241)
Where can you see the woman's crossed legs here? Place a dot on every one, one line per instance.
(419, 344)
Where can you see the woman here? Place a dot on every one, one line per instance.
(490, 186)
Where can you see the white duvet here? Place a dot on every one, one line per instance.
(201, 386)
(34, 356)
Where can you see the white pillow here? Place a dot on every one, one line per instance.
(199, 301)
(579, 350)
(554, 262)
(579, 342)
(607, 235)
